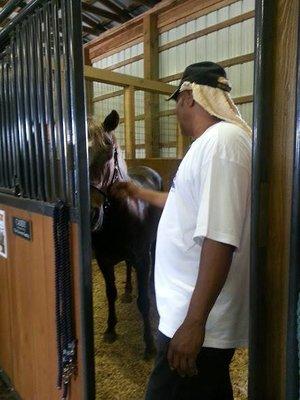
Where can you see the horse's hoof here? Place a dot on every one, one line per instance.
(126, 298)
(110, 337)
(149, 354)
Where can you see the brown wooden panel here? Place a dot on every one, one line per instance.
(31, 301)
(275, 137)
(5, 315)
(165, 167)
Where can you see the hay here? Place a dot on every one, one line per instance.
(121, 372)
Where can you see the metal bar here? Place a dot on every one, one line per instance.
(49, 101)
(15, 133)
(41, 104)
(2, 164)
(58, 101)
(292, 360)
(68, 117)
(3, 120)
(10, 153)
(82, 195)
(17, 20)
(37, 154)
(27, 103)
(18, 66)
(9, 8)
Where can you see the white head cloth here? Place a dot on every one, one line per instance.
(217, 102)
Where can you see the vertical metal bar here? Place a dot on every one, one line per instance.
(49, 101)
(2, 163)
(33, 61)
(13, 110)
(3, 119)
(18, 66)
(67, 117)
(79, 129)
(9, 127)
(41, 104)
(27, 104)
(59, 110)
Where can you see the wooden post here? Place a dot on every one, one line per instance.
(151, 100)
(272, 182)
(129, 122)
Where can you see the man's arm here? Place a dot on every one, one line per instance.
(214, 266)
(124, 189)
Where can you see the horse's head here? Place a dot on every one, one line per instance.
(101, 139)
(102, 148)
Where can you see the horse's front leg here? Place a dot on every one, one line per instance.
(127, 296)
(143, 303)
(111, 293)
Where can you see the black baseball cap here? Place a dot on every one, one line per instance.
(203, 73)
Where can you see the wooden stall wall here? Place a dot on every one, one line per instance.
(177, 34)
(27, 309)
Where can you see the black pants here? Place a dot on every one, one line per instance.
(211, 383)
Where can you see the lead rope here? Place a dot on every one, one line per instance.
(66, 342)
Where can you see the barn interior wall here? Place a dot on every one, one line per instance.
(233, 45)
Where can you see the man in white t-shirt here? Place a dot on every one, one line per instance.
(203, 240)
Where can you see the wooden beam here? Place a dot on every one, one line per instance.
(93, 24)
(210, 29)
(125, 62)
(224, 63)
(188, 11)
(102, 13)
(147, 3)
(129, 122)
(151, 71)
(106, 96)
(115, 8)
(90, 31)
(115, 78)
(106, 43)
(275, 114)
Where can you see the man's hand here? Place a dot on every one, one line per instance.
(185, 347)
(124, 189)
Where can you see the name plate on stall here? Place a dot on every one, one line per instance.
(22, 228)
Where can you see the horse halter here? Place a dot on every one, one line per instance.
(99, 215)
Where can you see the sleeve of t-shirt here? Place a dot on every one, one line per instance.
(223, 188)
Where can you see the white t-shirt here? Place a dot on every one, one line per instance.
(210, 197)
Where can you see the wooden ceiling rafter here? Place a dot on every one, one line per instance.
(93, 24)
(116, 9)
(102, 13)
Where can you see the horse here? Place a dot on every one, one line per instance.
(123, 229)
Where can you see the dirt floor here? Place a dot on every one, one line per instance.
(121, 372)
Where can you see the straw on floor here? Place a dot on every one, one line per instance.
(121, 372)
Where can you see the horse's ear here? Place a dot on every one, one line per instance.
(111, 121)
